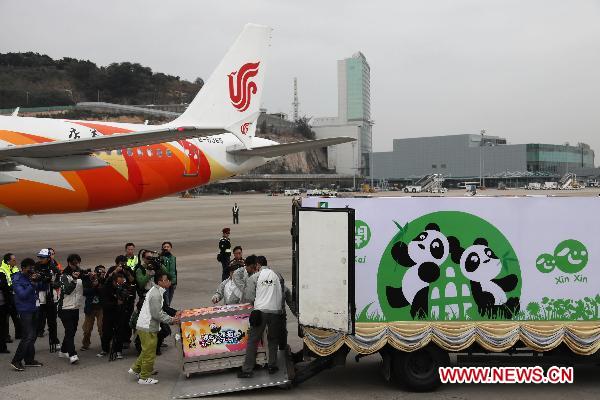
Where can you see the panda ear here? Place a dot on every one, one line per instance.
(481, 241)
(432, 227)
(400, 254)
(456, 250)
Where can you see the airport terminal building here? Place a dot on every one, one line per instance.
(353, 119)
(471, 156)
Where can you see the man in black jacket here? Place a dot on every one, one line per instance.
(47, 310)
(92, 288)
(116, 295)
(224, 253)
(5, 305)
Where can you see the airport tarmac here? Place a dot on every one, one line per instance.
(194, 226)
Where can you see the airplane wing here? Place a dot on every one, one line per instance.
(100, 143)
(282, 149)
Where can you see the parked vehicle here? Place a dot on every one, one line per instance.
(412, 189)
(384, 294)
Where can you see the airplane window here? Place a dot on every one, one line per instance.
(149, 151)
(119, 152)
(159, 152)
(169, 153)
(140, 152)
(129, 152)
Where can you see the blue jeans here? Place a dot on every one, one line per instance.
(26, 349)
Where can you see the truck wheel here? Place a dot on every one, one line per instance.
(418, 370)
(414, 190)
(405, 190)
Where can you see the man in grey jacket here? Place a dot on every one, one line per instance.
(71, 299)
(265, 290)
(148, 325)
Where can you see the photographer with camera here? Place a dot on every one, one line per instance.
(169, 262)
(71, 296)
(26, 285)
(92, 309)
(47, 311)
(118, 293)
(145, 271)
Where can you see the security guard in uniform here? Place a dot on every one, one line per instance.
(224, 253)
(132, 259)
(8, 268)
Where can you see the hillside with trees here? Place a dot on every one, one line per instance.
(37, 80)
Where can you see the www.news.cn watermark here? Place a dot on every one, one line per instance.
(506, 374)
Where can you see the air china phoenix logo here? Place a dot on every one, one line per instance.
(244, 128)
(241, 88)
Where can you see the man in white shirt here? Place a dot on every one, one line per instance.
(228, 291)
(264, 289)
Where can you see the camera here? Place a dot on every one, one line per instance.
(153, 260)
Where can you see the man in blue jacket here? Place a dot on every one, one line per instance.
(26, 285)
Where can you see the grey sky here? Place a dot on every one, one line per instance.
(527, 70)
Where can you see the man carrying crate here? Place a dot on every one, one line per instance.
(265, 290)
(148, 325)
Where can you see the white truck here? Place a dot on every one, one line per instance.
(416, 279)
(412, 189)
(550, 186)
(534, 186)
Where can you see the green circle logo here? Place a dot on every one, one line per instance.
(362, 234)
(571, 256)
(545, 263)
(436, 261)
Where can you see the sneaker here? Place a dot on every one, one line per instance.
(164, 345)
(102, 354)
(62, 355)
(74, 359)
(126, 345)
(132, 372)
(119, 356)
(34, 363)
(147, 381)
(84, 348)
(17, 366)
(243, 374)
(273, 370)
(40, 334)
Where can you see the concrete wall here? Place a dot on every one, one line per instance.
(452, 156)
(340, 157)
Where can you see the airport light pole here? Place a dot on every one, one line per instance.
(482, 132)
(354, 165)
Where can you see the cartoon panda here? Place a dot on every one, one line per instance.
(481, 266)
(422, 256)
(214, 328)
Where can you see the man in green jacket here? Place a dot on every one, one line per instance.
(169, 262)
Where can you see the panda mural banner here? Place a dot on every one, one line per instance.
(483, 259)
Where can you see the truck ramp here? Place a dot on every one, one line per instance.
(226, 381)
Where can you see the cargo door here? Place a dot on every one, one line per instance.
(324, 267)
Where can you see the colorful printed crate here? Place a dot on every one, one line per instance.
(215, 338)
